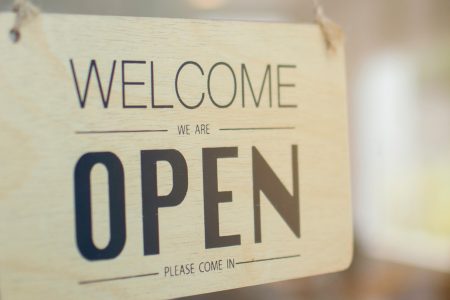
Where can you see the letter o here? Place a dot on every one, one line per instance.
(83, 211)
(209, 84)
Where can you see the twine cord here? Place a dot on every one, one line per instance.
(25, 11)
(332, 33)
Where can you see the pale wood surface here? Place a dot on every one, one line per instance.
(40, 115)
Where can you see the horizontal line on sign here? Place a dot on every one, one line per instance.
(120, 131)
(256, 128)
(267, 259)
(116, 278)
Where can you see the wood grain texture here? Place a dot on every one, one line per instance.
(41, 133)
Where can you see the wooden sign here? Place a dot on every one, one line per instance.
(157, 158)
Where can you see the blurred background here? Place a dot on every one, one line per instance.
(398, 58)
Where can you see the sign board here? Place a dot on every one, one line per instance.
(156, 158)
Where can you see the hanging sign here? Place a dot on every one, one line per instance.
(157, 158)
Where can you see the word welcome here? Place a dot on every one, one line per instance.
(202, 73)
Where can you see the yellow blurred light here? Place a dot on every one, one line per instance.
(207, 4)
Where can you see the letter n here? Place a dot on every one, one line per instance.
(267, 182)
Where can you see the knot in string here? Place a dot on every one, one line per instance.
(24, 11)
(332, 33)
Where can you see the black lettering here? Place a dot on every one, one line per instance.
(234, 86)
(267, 74)
(281, 85)
(125, 83)
(176, 85)
(266, 181)
(151, 201)
(152, 76)
(93, 66)
(212, 198)
(83, 213)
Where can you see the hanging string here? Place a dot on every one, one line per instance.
(25, 11)
(332, 33)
